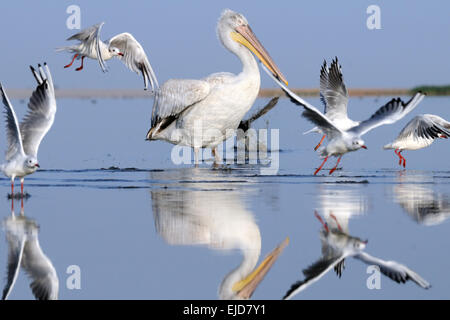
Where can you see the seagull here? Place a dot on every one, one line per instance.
(123, 46)
(25, 251)
(184, 217)
(337, 245)
(334, 97)
(419, 133)
(203, 113)
(24, 139)
(343, 141)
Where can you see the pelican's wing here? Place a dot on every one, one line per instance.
(41, 111)
(393, 111)
(245, 124)
(312, 274)
(427, 127)
(311, 113)
(45, 284)
(134, 57)
(394, 270)
(174, 97)
(12, 128)
(16, 243)
(333, 92)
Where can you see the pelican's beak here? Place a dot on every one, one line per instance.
(364, 147)
(245, 36)
(245, 288)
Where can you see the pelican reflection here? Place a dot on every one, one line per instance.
(25, 252)
(216, 217)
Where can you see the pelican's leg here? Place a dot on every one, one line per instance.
(318, 169)
(321, 221)
(318, 145)
(332, 170)
(215, 153)
(74, 57)
(196, 150)
(80, 67)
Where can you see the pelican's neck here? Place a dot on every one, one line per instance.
(249, 64)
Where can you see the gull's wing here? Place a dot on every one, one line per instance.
(45, 284)
(393, 111)
(41, 111)
(427, 127)
(311, 113)
(174, 97)
(394, 270)
(90, 39)
(16, 245)
(333, 92)
(312, 274)
(13, 135)
(134, 57)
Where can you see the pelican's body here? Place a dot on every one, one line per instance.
(203, 113)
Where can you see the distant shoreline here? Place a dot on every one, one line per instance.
(264, 93)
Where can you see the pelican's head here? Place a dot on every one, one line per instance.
(357, 144)
(241, 282)
(115, 52)
(235, 33)
(31, 164)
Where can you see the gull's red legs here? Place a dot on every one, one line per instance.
(319, 168)
(400, 157)
(318, 145)
(337, 222)
(80, 67)
(335, 167)
(74, 57)
(321, 221)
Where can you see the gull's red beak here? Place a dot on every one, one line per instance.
(364, 147)
(37, 165)
(120, 54)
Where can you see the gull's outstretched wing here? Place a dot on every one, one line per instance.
(312, 274)
(41, 111)
(393, 111)
(134, 57)
(394, 270)
(311, 113)
(174, 97)
(333, 92)
(427, 127)
(13, 135)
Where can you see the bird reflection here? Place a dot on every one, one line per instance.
(25, 252)
(338, 245)
(425, 205)
(216, 218)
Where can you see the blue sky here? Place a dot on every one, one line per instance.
(179, 37)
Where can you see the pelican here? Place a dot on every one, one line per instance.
(25, 251)
(419, 133)
(203, 113)
(185, 217)
(337, 245)
(122, 46)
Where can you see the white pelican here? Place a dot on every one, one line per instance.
(24, 251)
(203, 113)
(185, 217)
(24, 139)
(343, 141)
(338, 245)
(334, 97)
(123, 46)
(419, 133)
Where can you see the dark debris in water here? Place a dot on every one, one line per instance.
(349, 181)
(18, 196)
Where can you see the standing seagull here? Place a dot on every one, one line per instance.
(343, 141)
(337, 245)
(334, 96)
(419, 133)
(124, 46)
(24, 140)
(203, 113)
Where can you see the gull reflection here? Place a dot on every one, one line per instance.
(337, 245)
(25, 252)
(425, 205)
(214, 216)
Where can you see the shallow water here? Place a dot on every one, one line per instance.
(140, 227)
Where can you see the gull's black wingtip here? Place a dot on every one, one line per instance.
(39, 65)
